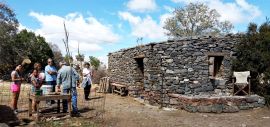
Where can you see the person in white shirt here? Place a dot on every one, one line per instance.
(86, 83)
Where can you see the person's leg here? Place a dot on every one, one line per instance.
(53, 84)
(74, 100)
(13, 100)
(89, 94)
(33, 106)
(86, 92)
(65, 103)
(15, 97)
(50, 102)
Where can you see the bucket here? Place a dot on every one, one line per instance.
(38, 92)
(46, 89)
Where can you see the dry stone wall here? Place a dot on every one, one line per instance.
(215, 104)
(173, 67)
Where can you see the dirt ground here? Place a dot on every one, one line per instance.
(126, 112)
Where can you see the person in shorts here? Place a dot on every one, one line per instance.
(16, 87)
(36, 84)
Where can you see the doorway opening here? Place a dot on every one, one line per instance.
(216, 68)
(140, 66)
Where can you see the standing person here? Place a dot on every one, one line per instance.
(41, 74)
(50, 76)
(15, 87)
(87, 82)
(68, 78)
(36, 84)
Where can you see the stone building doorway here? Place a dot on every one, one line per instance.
(140, 67)
(216, 68)
(138, 87)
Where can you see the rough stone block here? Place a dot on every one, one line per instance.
(252, 99)
(205, 109)
(199, 89)
(230, 109)
(169, 60)
(180, 91)
(174, 101)
(169, 71)
(191, 108)
(194, 85)
(195, 82)
(217, 108)
(244, 107)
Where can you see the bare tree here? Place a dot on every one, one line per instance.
(56, 52)
(196, 19)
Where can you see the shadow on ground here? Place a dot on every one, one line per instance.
(7, 116)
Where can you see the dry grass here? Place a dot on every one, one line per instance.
(89, 109)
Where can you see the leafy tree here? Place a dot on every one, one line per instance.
(80, 57)
(8, 29)
(253, 53)
(196, 19)
(14, 47)
(68, 58)
(34, 47)
(8, 23)
(95, 62)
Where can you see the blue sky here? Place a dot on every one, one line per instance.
(103, 26)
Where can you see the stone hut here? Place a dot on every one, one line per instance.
(162, 73)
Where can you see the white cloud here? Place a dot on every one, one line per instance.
(164, 17)
(144, 27)
(104, 60)
(88, 31)
(21, 27)
(142, 5)
(168, 8)
(239, 11)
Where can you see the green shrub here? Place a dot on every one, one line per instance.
(253, 54)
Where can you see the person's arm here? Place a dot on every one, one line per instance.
(54, 71)
(49, 71)
(77, 77)
(59, 80)
(35, 84)
(91, 73)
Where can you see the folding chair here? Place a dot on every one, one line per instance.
(241, 86)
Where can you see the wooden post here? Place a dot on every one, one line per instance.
(233, 85)
(58, 106)
(249, 84)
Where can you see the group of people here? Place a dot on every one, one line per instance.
(64, 80)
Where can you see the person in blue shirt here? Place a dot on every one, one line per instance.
(69, 79)
(50, 76)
